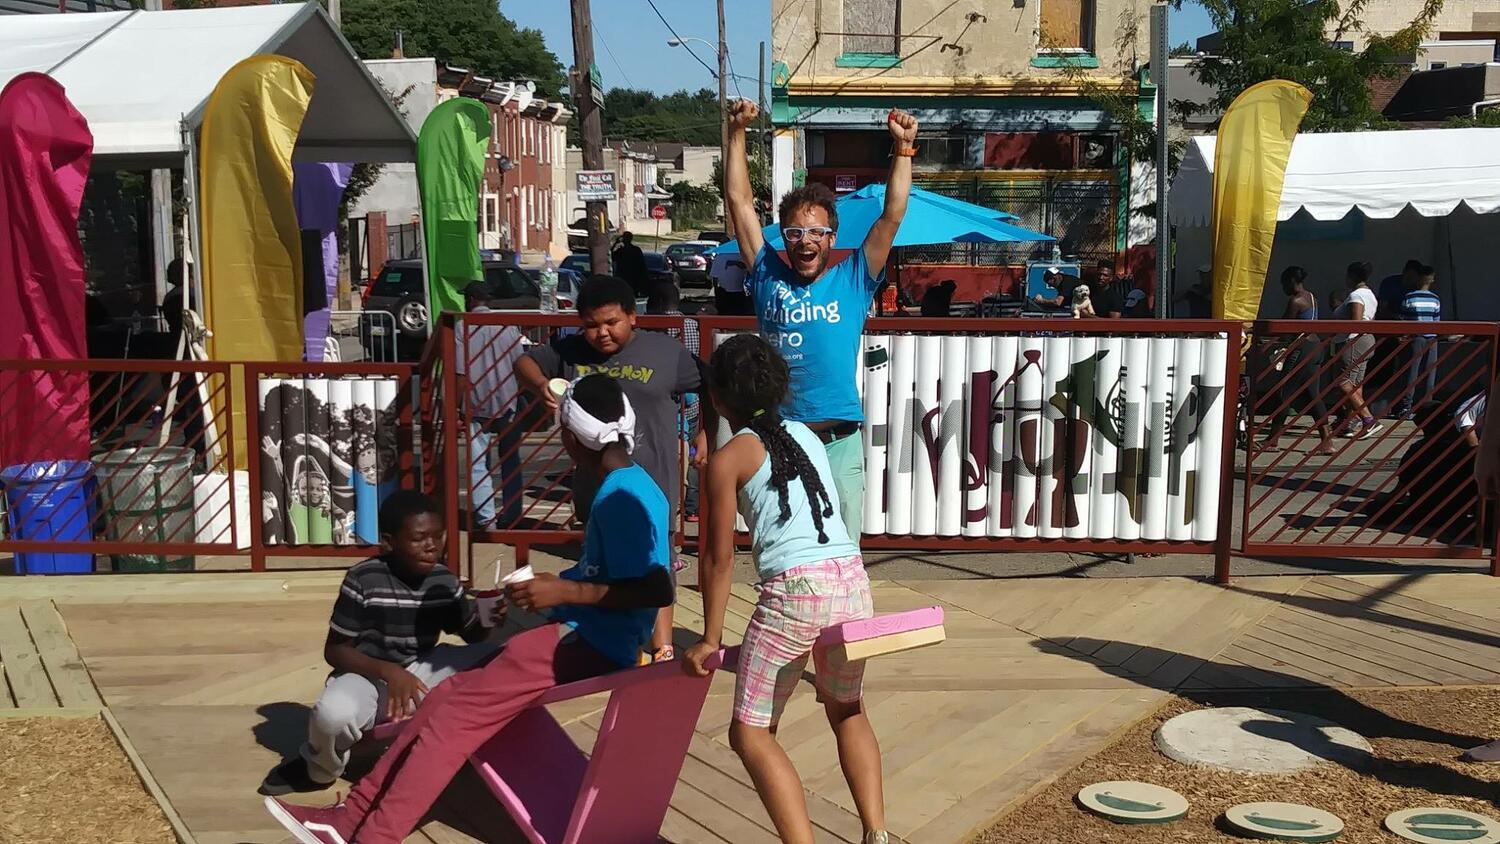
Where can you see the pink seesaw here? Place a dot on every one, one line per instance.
(620, 793)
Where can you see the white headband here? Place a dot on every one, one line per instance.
(594, 434)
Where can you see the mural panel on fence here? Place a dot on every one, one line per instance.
(1051, 437)
(327, 458)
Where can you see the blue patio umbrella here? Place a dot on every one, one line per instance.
(930, 218)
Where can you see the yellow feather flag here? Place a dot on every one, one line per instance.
(1250, 156)
(252, 247)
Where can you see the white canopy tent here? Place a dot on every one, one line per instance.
(1383, 197)
(140, 78)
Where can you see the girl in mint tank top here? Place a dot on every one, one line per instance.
(811, 576)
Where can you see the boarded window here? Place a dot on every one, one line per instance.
(873, 26)
(1067, 25)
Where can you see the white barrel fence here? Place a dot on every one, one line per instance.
(1025, 436)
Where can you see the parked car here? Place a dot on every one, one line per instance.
(691, 262)
(401, 291)
(661, 269)
(568, 284)
(715, 236)
(579, 262)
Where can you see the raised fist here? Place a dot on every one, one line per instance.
(903, 127)
(742, 113)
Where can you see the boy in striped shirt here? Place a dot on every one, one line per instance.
(1420, 305)
(383, 641)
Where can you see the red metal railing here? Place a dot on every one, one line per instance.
(154, 445)
(1406, 491)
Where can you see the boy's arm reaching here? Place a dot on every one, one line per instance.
(740, 199)
(877, 246)
(530, 376)
(545, 591)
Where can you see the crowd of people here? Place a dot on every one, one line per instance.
(795, 463)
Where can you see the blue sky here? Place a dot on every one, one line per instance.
(630, 41)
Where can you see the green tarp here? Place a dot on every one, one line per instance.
(450, 169)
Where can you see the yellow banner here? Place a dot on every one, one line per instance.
(1250, 156)
(252, 248)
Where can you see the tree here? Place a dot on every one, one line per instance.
(1299, 41)
(466, 33)
(681, 117)
(760, 176)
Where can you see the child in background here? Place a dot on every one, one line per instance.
(652, 369)
(602, 612)
(382, 642)
(811, 577)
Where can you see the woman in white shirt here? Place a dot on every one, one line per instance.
(1357, 351)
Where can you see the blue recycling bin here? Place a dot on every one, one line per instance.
(49, 500)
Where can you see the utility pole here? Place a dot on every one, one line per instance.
(591, 121)
(724, 123)
(1160, 54)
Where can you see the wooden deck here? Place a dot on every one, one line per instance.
(211, 677)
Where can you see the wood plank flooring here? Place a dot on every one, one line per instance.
(211, 676)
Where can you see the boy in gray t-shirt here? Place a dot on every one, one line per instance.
(653, 370)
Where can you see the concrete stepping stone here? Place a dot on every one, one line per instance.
(1283, 822)
(1126, 801)
(1434, 825)
(1258, 741)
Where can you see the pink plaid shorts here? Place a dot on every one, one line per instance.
(794, 609)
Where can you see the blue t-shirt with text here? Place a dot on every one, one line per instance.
(817, 328)
(625, 538)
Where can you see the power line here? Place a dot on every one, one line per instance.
(618, 66)
(680, 39)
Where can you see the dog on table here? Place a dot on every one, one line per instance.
(1083, 307)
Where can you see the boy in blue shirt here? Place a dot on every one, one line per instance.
(602, 613)
(812, 313)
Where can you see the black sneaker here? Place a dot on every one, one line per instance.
(290, 777)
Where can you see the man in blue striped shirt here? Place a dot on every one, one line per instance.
(1421, 305)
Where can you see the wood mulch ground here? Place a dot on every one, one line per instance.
(67, 780)
(1417, 736)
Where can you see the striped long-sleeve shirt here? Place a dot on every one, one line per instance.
(394, 620)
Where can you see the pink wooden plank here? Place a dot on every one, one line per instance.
(535, 771)
(642, 745)
(881, 625)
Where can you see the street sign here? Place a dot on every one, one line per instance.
(659, 212)
(595, 185)
(596, 82)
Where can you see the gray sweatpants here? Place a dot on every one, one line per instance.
(351, 704)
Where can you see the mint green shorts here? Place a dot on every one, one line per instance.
(846, 458)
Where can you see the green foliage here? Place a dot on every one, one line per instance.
(1294, 40)
(760, 176)
(465, 33)
(682, 117)
(1487, 118)
(693, 206)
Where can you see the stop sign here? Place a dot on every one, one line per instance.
(659, 212)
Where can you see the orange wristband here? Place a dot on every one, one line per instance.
(909, 152)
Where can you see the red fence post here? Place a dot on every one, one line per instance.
(1224, 542)
(251, 383)
(453, 402)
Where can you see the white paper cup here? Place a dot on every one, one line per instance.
(488, 600)
(558, 386)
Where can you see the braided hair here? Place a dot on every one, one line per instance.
(750, 379)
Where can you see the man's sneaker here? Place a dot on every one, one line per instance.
(1371, 430)
(290, 777)
(310, 825)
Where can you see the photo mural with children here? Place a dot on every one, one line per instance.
(1050, 437)
(327, 458)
